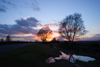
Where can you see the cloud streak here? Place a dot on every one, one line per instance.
(92, 37)
(93, 28)
(19, 37)
(48, 25)
(33, 5)
(8, 3)
(3, 8)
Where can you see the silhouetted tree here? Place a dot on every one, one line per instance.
(2, 39)
(44, 34)
(54, 39)
(72, 26)
(8, 38)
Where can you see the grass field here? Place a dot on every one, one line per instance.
(35, 55)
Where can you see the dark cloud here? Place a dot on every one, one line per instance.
(24, 26)
(28, 22)
(2, 10)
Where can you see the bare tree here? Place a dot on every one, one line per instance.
(72, 26)
(8, 38)
(44, 34)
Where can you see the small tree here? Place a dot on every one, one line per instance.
(8, 38)
(2, 39)
(72, 26)
(53, 40)
(44, 34)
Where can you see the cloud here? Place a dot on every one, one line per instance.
(22, 26)
(48, 25)
(2, 10)
(93, 28)
(97, 29)
(24, 38)
(31, 21)
(91, 37)
(9, 3)
(18, 37)
(33, 5)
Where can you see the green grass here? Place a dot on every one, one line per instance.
(35, 55)
(28, 56)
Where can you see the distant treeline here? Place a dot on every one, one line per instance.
(90, 47)
(12, 42)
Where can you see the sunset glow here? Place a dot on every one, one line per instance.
(49, 39)
(22, 19)
(54, 35)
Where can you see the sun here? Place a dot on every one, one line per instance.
(49, 39)
(54, 35)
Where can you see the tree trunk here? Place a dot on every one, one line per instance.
(73, 36)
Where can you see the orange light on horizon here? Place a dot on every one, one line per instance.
(21, 33)
(51, 36)
(54, 35)
(49, 39)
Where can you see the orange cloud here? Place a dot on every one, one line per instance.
(48, 25)
(18, 39)
(55, 34)
(21, 33)
(97, 29)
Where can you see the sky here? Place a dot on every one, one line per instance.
(22, 19)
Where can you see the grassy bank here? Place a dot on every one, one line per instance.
(27, 56)
(35, 55)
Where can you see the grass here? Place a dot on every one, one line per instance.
(28, 56)
(35, 55)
